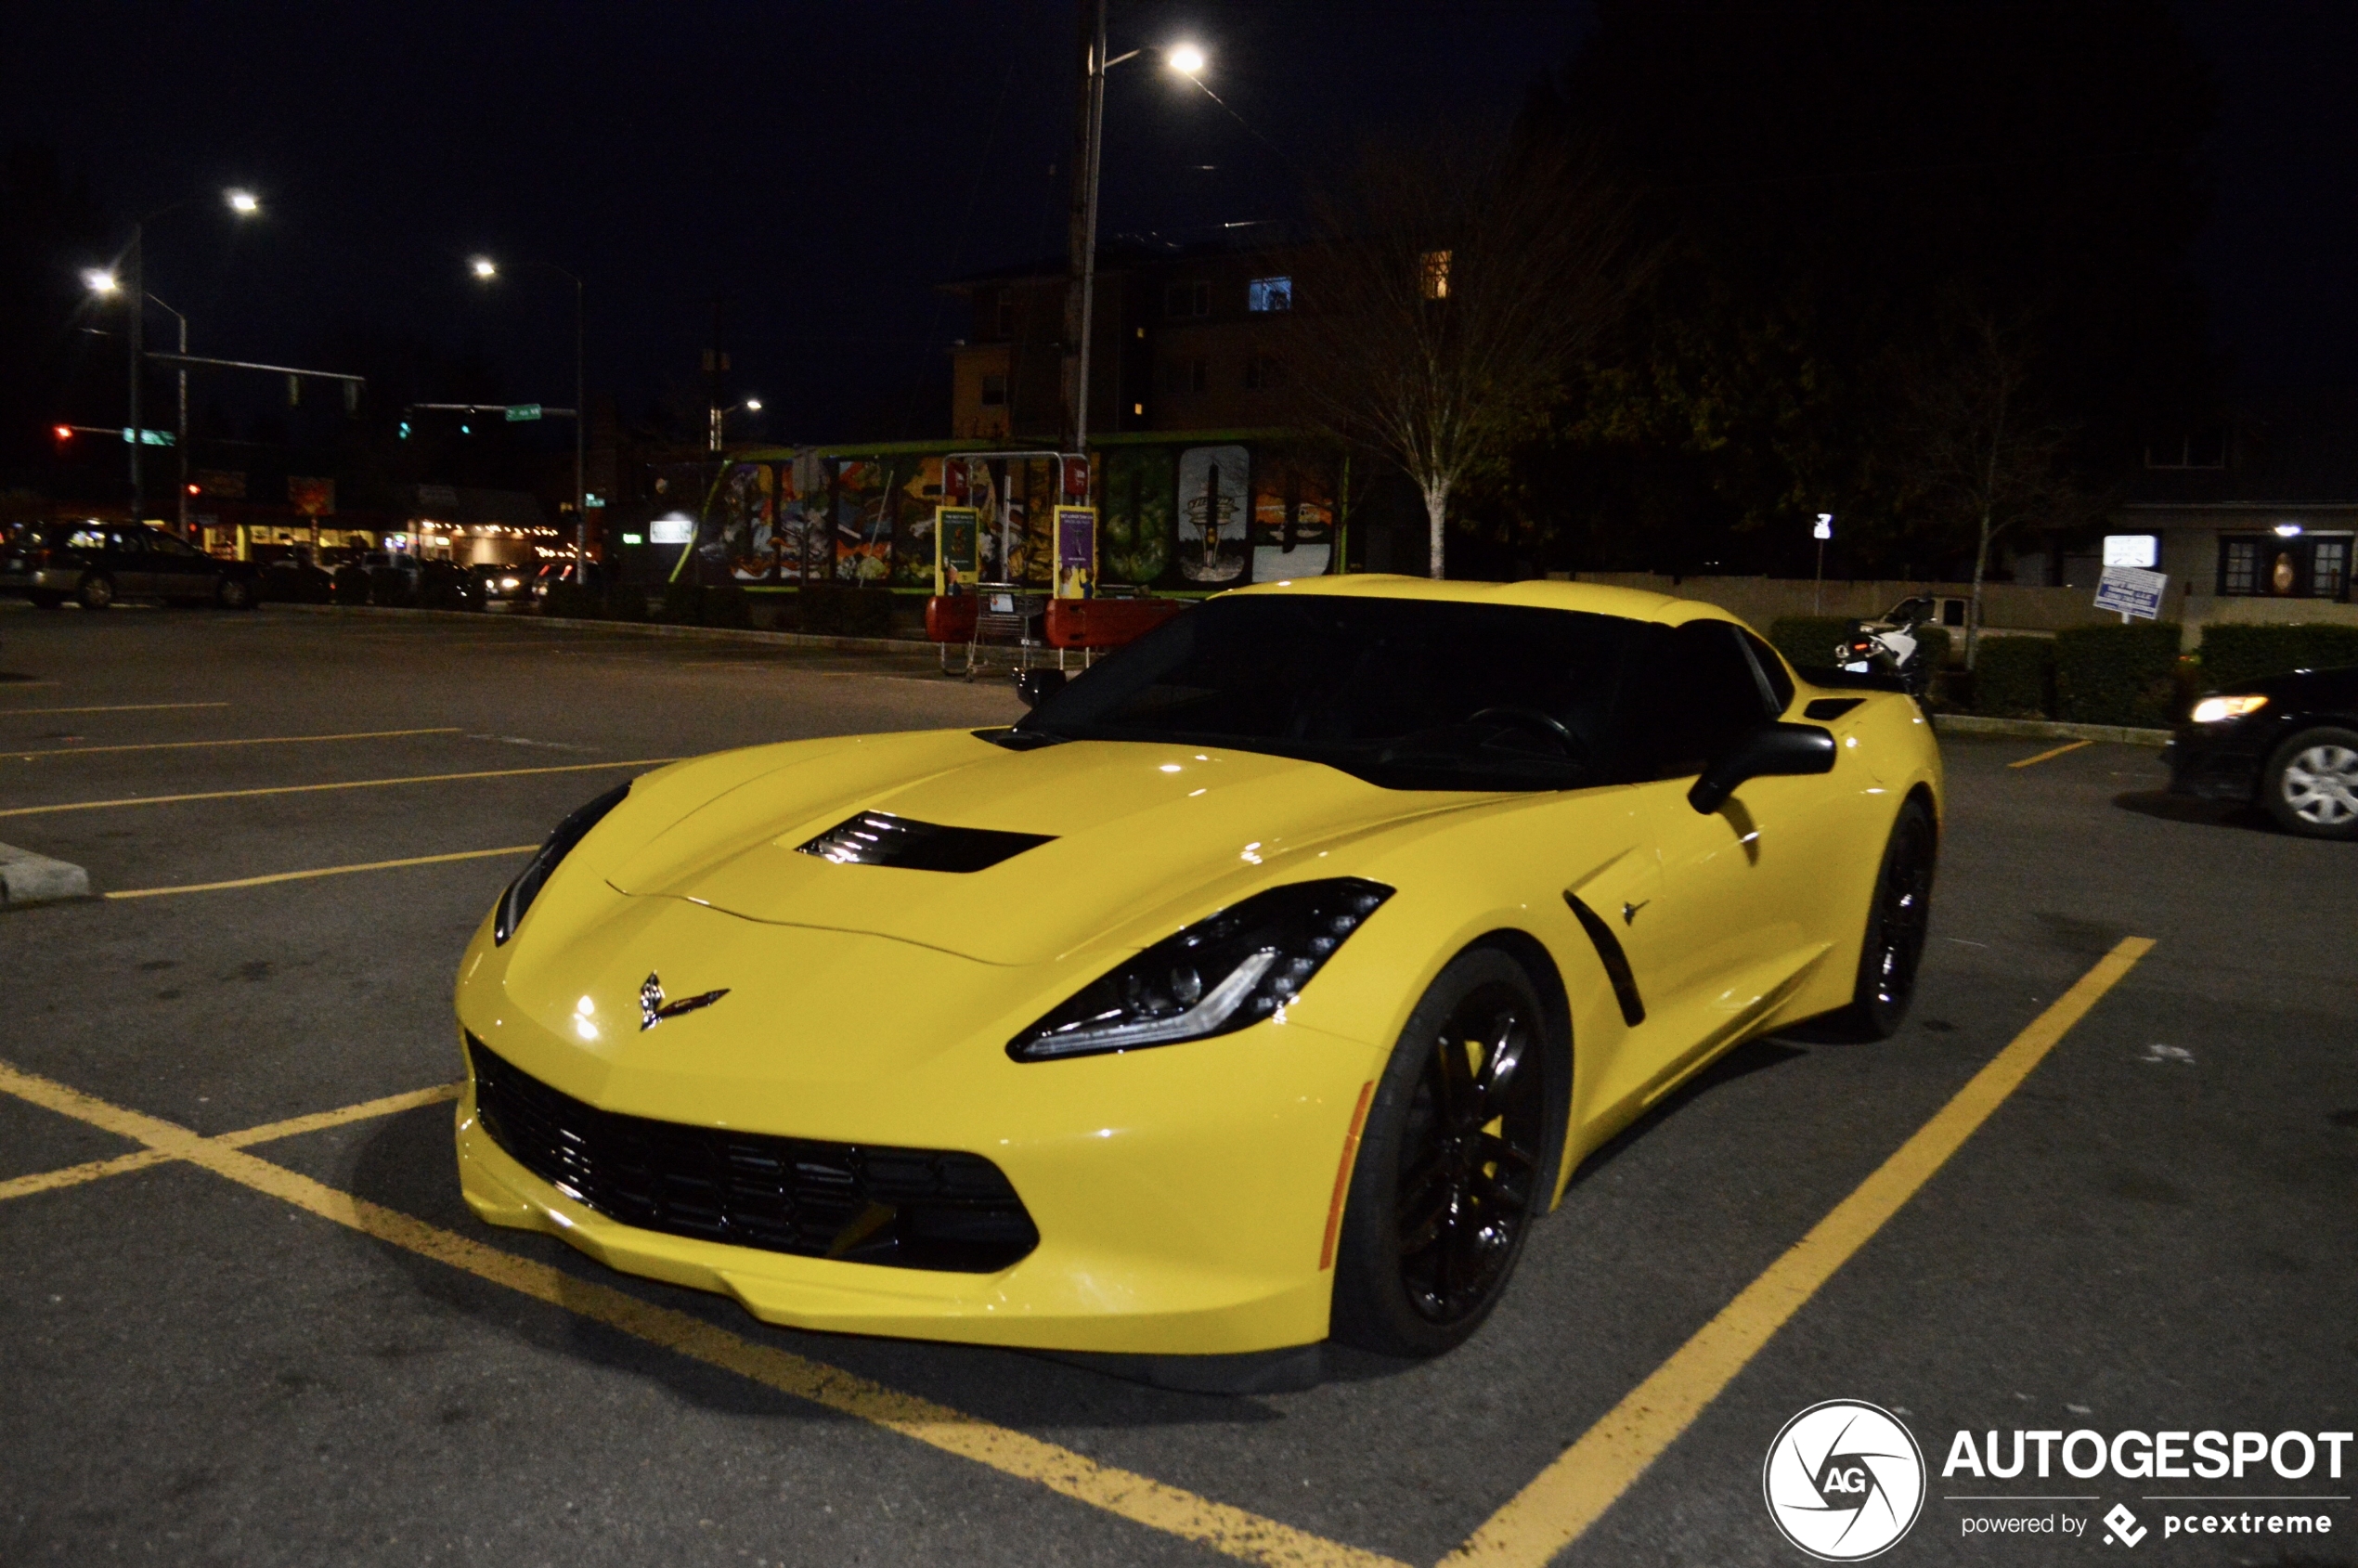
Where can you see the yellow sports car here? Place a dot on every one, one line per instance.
(1263, 985)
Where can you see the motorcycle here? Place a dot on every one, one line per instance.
(1889, 644)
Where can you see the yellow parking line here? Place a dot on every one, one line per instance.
(250, 740)
(2044, 754)
(307, 789)
(118, 707)
(323, 870)
(1572, 1494)
(140, 1160)
(1125, 1494)
(74, 1175)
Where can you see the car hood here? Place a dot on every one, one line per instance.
(1139, 834)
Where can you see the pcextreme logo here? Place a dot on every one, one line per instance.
(1844, 1481)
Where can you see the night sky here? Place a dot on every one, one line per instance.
(823, 166)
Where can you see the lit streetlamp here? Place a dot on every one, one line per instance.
(104, 282)
(486, 270)
(1186, 58)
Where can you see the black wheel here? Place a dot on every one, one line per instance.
(1897, 921)
(1454, 1165)
(2311, 787)
(43, 600)
(96, 592)
(234, 594)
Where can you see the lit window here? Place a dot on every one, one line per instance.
(2329, 568)
(1269, 294)
(1433, 275)
(2239, 567)
(994, 391)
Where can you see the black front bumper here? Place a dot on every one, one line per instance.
(2216, 762)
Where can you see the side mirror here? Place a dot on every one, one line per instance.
(1036, 686)
(1771, 750)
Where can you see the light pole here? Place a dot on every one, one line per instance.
(751, 406)
(180, 426)
(245, 204)
(1187, 59)
(485, 269)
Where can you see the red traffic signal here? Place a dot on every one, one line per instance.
(62, 432)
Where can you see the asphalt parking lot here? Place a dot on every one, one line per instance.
(246, 1318)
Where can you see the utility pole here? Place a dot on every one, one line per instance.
(138, 298)
(716, 362)
(1080, 233)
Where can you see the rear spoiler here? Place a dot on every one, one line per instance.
(1835, 678)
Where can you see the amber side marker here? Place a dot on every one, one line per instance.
(1343, 1174)
(1571, 1495)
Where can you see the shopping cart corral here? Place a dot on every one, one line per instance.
(1024, 626)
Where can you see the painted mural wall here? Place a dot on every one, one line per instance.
(1172, 517)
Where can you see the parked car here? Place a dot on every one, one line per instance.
(2287, 743)
(497, 583)
(1480, 823)
(293, 580)
(96, 564)
(588, 574)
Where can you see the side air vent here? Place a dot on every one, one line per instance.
(874, 838)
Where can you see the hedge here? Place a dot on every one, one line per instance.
(2015, 676)
(2117, 675)
(572, 601)
(1808, 641)
(2231, 655)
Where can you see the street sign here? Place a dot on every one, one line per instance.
(518, 412)
(2131, 591)
(1825, 528)
(147, 437)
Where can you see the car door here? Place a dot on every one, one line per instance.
(178, 569)
(1723, 939)
(125, 560)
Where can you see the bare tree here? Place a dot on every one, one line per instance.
(1449, 293)
(1981, 451)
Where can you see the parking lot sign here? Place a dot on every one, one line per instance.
(2131, 591)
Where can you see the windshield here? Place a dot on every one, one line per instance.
(1407, 694)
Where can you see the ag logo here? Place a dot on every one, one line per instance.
(1844, 1481)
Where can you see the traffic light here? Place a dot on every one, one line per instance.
(64, 433)
(196, 490)
(405, 430)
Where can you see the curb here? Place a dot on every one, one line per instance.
(639, 628)
(28, 878)
(2048, 730)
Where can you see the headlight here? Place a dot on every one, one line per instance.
(529, 881)
(2211, 711)
(1223, 973)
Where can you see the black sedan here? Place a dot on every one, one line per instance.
(96, 564)
(2288, 743)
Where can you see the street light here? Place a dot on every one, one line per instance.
(1187, 59)
(486, 270)
(103, 281)
(751, 406)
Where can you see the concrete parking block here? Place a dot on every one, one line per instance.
(28, 878)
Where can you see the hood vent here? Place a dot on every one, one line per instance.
(874, 838)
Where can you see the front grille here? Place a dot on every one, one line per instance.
(906, 1208)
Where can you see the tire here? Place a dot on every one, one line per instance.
(46, 599)
(234, 594)
(1439, 1206)
(2310, 783)
(1897, 917)
(95, 591)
